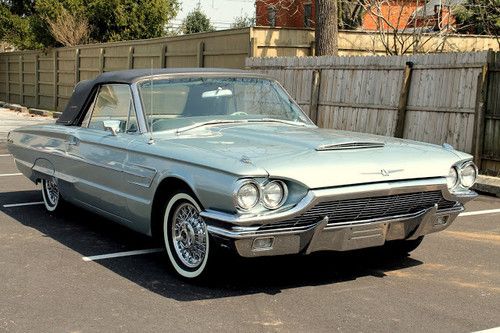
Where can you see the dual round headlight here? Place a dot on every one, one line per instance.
(465, 176)
(452, 178)
(468, 175)
(272, 195)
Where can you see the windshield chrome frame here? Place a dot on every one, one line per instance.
(141, 117)
(140, 106)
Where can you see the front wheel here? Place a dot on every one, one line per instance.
(186, 236)
(51, 196)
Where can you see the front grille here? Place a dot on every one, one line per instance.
(353, 210)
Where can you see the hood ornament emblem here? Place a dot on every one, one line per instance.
(383, 172)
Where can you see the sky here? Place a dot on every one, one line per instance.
(220, 12)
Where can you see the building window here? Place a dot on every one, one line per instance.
(307, 15)
(271, 16)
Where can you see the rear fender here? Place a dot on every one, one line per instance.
(43, 168)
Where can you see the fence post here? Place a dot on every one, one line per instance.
(480, 110)
(312, 49)
(252, 50)
(200, 55)
(21, 80)
(55, 77)
(101, 60)
(163, 58)
(313, 106)
(7, 78)
(130, 57)
(77, 66)
(403, 101)
(37, 81)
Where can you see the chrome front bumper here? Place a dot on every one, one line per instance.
(325, 235)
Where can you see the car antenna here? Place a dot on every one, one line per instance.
(151, 100)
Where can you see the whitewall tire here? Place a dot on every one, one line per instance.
(186, 236)
(50, 193)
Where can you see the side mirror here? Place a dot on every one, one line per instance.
(112, 126)
(110, 129)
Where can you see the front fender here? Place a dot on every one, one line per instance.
(213, 188)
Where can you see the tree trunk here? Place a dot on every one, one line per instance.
(326, 27)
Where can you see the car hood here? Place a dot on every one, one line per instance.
(320, 157)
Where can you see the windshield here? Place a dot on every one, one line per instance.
(177, 103)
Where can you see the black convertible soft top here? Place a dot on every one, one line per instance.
(84, 90)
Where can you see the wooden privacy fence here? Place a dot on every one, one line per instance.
(442, 98)
(46, 79)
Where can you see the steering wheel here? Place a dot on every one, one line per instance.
(239, 113)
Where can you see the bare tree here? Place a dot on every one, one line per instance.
(326, 36)
(279, 8)
(68, 29)
(399, 33)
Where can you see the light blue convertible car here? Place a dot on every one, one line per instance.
(205, 158)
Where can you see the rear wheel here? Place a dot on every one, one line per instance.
(51, 196)
(186, 236)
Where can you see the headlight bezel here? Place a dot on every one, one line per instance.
(260, 185)
(460, 186)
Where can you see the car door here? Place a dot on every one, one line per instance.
(99, 150)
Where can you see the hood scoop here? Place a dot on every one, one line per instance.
(350, 145)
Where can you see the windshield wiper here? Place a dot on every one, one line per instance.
(282, 121)
(211, 122)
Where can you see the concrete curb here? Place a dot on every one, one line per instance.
(38, 112)
(487, 184)
(14, 107)
(45, 113)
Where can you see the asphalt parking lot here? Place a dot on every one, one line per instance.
(51, 281)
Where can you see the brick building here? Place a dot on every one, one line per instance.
(399, 14)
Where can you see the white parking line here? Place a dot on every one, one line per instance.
(10, 174)
(5, 155)
(480, 212)
(491, 330)
(23, 204)
(121, 254)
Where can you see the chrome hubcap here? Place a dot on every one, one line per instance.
(189, 235)
(52, 192)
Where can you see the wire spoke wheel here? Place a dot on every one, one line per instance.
(189, 235)
(50, 193)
